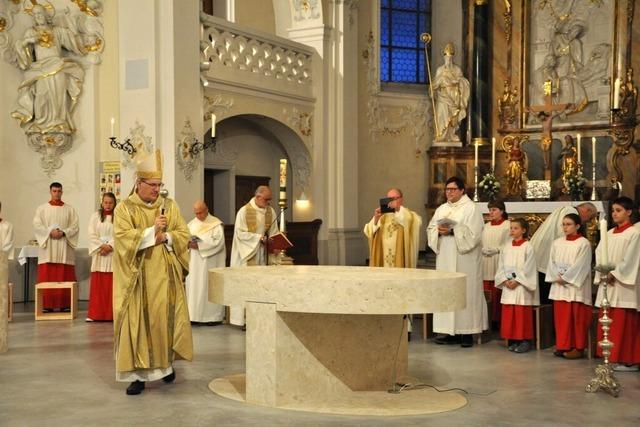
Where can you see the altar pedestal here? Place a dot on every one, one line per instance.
(333, 339)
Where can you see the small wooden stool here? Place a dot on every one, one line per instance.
(10, 302)
(40, 287)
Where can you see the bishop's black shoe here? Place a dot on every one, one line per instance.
(447, 339)
(135, 387)
(466, 340)
(170, 378)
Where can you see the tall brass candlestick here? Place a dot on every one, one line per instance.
(604, 378)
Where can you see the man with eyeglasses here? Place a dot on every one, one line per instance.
(455, 233)
(56, 228)
(151, 321)
(254, 222)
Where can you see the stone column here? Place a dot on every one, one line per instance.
(480, 81)
(4, 323)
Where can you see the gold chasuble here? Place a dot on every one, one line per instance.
(151, 321)
(394, 241)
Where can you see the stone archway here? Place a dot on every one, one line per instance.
(251, 145)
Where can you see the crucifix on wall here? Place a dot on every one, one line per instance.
(544, 113)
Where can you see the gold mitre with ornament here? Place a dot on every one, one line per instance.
(148, 165)
(449, 49)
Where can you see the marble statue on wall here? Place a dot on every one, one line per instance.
(451, 92)
(52, 53)
(570, 45)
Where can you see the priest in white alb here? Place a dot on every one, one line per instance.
(206, 250)
(6, 253)
(454, 234)
(550, 230)
(55, 226)
(254, 222)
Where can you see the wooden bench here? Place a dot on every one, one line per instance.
(70, 315)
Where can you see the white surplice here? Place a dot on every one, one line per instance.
(546, 233)
(100, 233)
(461, 253)
(6, 249)
(246, 245)
(211, 253)
(48, 218)
(494, 237)
(624, 253)
(519, 263)
(570, 260)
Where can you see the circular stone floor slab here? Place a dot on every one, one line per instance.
(378, 403)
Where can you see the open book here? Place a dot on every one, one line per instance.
(447, 221)
(279, 242)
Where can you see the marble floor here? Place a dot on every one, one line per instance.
(62, 373)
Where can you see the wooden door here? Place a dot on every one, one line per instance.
(246, 186)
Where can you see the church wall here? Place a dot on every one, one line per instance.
(256, 14)
(23, 183)
(392, 144)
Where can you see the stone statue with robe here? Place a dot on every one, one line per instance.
(206, 251)
(253, 221)
(151, 321)
(52, 82)
(460, 251)
(451, 92)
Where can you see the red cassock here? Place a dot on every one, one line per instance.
(54, 272)
(517, 322)
(572, 321)
(623, 333)
(101, 296)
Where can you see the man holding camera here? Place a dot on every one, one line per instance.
(393, 233)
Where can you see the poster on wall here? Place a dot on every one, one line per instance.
(110, 179)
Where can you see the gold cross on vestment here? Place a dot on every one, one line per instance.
(545, 114)
(390, 258)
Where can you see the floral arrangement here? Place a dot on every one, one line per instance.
(489, 186)
(575, 184)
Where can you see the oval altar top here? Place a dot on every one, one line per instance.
(340, 289)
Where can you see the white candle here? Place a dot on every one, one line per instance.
(616, 93)
(579, 149)
(493, 153)
(213, 125)
(113, 125)
(593, 149)
(603, 241)
(475, 163)
(283, 173)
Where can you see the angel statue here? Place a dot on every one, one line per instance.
(52, 83)
(516, 170)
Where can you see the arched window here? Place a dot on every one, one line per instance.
(401, 51)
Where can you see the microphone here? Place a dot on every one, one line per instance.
(163, 193)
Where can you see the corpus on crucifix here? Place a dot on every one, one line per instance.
(545, 115)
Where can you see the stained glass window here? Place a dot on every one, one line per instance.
(401, 50)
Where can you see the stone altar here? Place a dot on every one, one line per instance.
(333, 338)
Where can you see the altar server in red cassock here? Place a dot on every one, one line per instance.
(622, 246)
(569, 272)
(55, 226)
(494, 235)
(517, 276)
(101, 251)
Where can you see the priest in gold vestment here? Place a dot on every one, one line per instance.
(151, 319)
(394, 237)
